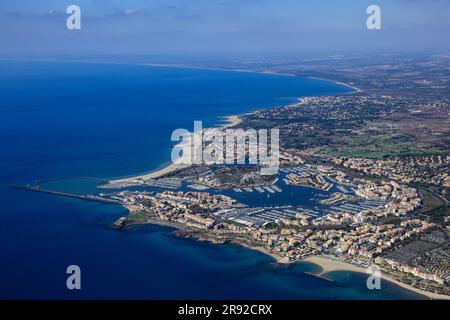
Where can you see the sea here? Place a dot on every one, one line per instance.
(83, 122)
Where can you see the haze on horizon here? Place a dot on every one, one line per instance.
(195, 27)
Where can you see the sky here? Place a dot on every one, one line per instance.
(194, 27)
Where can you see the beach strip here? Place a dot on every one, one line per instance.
(230, 121)
(331, 265)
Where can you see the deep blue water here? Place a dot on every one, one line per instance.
(67, 120)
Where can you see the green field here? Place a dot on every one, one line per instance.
(380, 147)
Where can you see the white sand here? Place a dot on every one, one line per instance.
(330, 265)
(232, 121)
(152, 175)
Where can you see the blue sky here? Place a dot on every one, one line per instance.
(222, 26)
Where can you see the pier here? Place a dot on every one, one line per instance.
(66, 194)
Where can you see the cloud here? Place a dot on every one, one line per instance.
(117, 13)
(221, 25)
(129, 11)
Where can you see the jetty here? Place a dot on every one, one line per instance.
(318, 276)
(66, 194)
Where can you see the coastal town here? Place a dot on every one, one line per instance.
(366, 222)
(382, 162)
(225, 159)
(375, 167)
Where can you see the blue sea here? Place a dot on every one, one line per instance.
(74, 121)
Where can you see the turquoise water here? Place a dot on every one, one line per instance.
(83, 121)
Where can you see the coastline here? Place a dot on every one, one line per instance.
(326, 264)
(229, 122)
(340, 83)
(183, 66)
(337, 82)
(331, 265)
(171, 167)
(199, 237)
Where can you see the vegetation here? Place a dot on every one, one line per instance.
(138, 215)
(380, 147)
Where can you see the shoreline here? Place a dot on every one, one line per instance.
(232, 120)
(183, 66)
(120, 183)
(162, 65)
(340, 83)
(334, 265)
(326, 264)
(229, 122)
(337, 82)
(214, 239)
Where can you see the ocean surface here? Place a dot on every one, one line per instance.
(74, 120)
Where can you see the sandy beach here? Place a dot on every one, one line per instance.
(121, 183)
(327, 264)
(231, 121)
(330, 265)
(356, 89)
